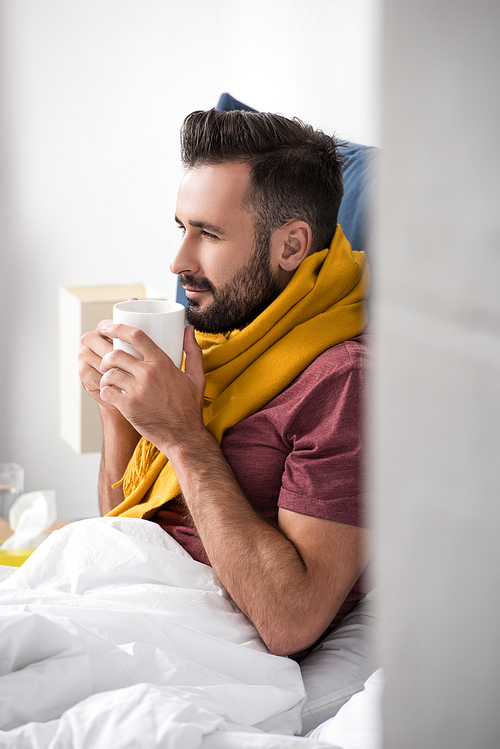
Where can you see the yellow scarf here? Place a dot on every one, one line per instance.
(323, 305)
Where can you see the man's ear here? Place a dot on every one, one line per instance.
(295, 244)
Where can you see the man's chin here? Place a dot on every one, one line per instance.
(201, 321)
(209, 327)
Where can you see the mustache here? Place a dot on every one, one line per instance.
(197, 284)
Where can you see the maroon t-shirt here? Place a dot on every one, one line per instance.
(302, 452)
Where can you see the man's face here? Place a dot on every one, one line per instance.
(228, 275)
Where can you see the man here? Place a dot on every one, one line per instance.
(250, 457)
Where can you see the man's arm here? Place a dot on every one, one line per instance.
(118, 445)
(290, 581)
(119, 436)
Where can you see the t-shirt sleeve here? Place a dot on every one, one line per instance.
(323, 472)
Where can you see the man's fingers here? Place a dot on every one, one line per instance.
(136, 338)
(95, 345)
(116, 378)
(95, 342)
(93, 360)
(91, 378)
(194, 358)
(119, 359)
(112, 395)
(103, 325)
(93, 348)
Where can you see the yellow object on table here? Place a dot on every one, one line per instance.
(14, 557)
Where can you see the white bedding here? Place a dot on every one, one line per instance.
(113, 636)
(358, 724)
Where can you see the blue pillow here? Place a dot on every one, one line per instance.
(358, 173)
(227, 103)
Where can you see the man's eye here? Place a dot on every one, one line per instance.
(181, 228)
(208, 235)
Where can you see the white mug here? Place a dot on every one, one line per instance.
(162, 321)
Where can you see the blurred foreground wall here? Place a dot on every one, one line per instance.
(436, 429)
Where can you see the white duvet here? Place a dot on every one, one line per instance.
(113, 636)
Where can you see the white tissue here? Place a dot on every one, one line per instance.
(31, 515)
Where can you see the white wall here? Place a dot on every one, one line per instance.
(436, 442)
(93, 96)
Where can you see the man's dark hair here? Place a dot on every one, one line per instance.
(296, 171)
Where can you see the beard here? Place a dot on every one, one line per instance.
(238, 302)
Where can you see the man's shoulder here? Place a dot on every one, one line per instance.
(326, 378)
(340, 359)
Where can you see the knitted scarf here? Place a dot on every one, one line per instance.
(322, 305)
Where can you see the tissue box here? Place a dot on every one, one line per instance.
(14, 557)
(81, 308)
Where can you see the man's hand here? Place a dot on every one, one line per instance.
(161, 402)
(119, 437)
(95, 346)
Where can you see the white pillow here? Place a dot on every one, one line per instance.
(358, 724)
(341, 664)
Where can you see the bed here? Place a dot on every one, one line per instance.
(113, 636)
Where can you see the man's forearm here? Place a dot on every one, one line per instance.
(119, 441)
(259, 566)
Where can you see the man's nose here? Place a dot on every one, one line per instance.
(185, 260)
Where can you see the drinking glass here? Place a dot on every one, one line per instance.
(11, 486)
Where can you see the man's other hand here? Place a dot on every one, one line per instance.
(94, 346)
